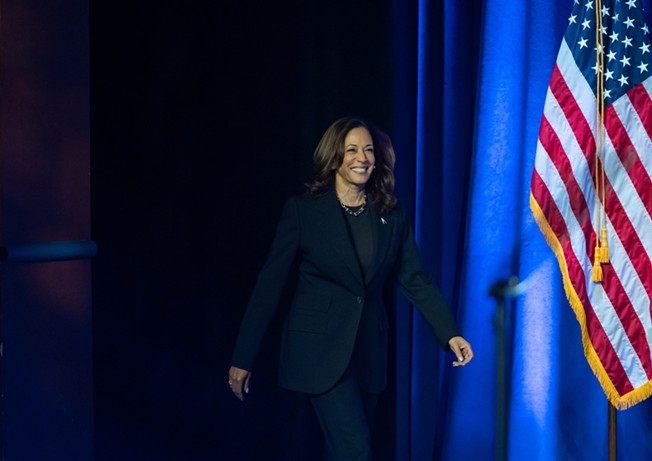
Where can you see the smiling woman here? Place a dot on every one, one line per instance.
(356, 168)
(349, 236)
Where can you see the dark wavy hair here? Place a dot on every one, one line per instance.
(329, 156)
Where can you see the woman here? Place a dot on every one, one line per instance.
(348, 235)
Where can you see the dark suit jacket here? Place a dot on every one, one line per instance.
(334, 305)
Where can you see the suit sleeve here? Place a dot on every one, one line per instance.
(269, 288)
(419, 288)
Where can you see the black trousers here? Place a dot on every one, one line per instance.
(345, 413)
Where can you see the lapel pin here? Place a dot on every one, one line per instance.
(383, 220)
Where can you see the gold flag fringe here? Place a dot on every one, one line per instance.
(621, 402)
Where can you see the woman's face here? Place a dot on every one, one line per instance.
(358, 162)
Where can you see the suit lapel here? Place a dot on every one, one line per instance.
(332, 224)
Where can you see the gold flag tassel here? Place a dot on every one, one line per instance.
(596, 272)
(604, 249)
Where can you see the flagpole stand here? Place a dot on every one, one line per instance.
(613, 434)
(500, 291)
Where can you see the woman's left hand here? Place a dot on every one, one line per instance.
(462, 350)
(239, 381)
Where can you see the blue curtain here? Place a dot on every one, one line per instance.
(471, 79)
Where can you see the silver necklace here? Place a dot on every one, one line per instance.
(357, 212)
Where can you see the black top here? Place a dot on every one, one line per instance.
(360, 229)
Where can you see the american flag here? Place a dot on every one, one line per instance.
(591, 190)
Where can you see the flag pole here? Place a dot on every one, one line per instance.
(613, 435)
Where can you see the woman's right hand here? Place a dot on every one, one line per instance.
(239, 381)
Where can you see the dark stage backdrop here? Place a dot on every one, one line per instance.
(204, 119)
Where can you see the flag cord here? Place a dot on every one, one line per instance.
(601, 253)
(604, 253)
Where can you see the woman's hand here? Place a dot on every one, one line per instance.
(462, 350)
(239, 381)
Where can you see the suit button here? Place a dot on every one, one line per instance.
(358, 300)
